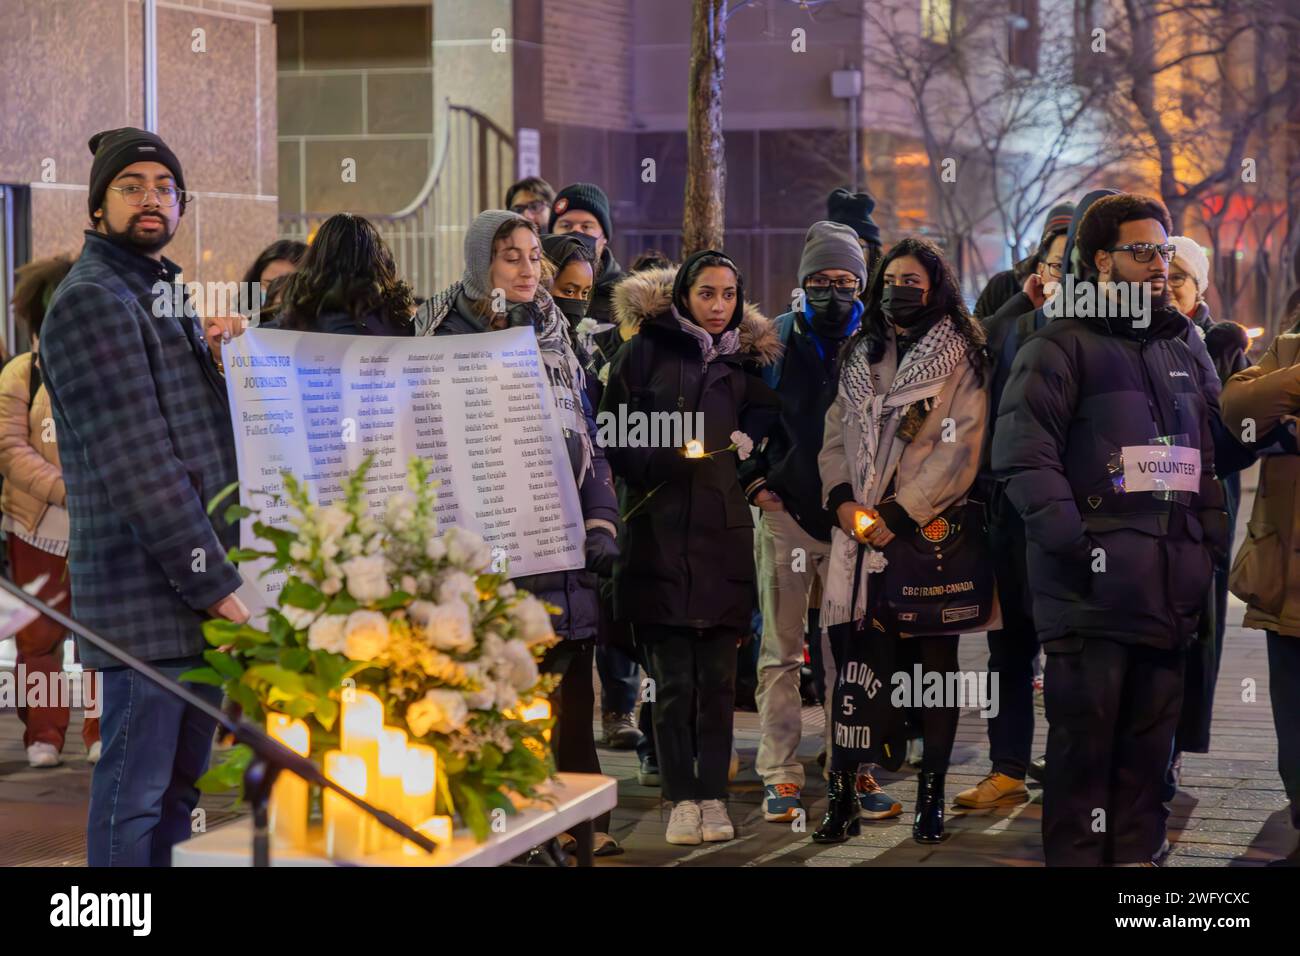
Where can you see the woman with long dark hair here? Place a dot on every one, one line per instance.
(685, 579)
(902, 443)
(347, 283)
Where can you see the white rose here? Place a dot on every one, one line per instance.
(457, 586)
(298, 617)
(327, 633)
(331, 586)
(435, 549)
(532, 619)
(479, 699)
(521, 670)
(445, 627)
(366, 635)
(367, 578)
(409, 584)
(506, 696)
(440, 711)
(744, 444)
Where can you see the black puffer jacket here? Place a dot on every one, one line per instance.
(1079, 391)
(601, 307)
(688, 558)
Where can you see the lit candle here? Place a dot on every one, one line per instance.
(288, 813)
(694, 448)
(419, 777)
(361, 721)
(388, 792)
(539, 709)
(863, 521)
(345, 824)
(437, 829)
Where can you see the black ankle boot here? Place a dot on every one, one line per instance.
(842, 818)
(927, 825)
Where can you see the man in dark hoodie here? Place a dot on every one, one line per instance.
(1105, 440)
(793, 538)
(584, 208)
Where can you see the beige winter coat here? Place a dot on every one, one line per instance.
(1266, 573)
(33, 479)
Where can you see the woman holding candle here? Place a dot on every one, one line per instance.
(685, 579)
(503, 286)
(902, 443)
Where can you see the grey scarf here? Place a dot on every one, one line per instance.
(727, 343)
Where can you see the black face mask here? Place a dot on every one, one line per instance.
(832, 310)
(902, 304)
(575, 310)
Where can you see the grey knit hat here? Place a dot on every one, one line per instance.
(478, 250)
(831, 245)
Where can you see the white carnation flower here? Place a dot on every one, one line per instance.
(445, 627)
(328, 633)
(467, 550)
(744, 445)
(532, 620)
(332, 521)
(521, 670)
(367, 578)
(366, 635)
(457, 586)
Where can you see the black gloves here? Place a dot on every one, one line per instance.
(602, 549)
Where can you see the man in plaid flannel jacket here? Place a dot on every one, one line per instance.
(143, 428)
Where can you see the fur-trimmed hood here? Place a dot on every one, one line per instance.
(640, 295)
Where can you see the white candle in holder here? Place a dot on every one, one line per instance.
(288, 810)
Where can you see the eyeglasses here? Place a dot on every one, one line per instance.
(134, 195)
(1143, 251)
(1176, 279)
(536, 206)
(1053, 269)
(821, 282)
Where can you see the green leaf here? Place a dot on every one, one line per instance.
(343, 603)
(236, 513)
(224, 664)
(301, 594)
(275, 535)
(247, 554)
(203, 675)
(298, 708)
(473, 811)
(264, 652)
(248, 701)
(394, 600)
(295, 659)
(277, 677)
(229, 774)
(222, 495)
(219, 631)
(327, 711)
(278, 626)
(490, 758)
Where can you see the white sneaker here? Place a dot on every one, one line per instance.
(43, 755)
(716, 825)
(684, 824)
(92, 755)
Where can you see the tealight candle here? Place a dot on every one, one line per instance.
(345, 824)
(694, 448)
(359, 726)
(288, 811)
(863, 521)
(388, 792)
(419, 777)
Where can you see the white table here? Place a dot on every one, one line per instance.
(578, 798)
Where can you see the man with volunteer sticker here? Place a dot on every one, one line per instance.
(1105, 442)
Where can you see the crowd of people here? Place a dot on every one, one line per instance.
(890, 470)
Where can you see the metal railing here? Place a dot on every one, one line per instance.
(473, 164)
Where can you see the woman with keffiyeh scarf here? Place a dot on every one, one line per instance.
(502, 288)
(685, 579)
(902, 444)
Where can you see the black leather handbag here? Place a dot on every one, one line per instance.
(939, 578)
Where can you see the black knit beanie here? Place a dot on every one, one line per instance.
(854, 211)
(584, 197)
(116, 149)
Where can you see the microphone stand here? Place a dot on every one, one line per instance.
(270, 757)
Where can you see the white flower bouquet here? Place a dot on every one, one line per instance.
(418, 618)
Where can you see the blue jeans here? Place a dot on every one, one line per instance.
(620, 680)
(155, 747)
